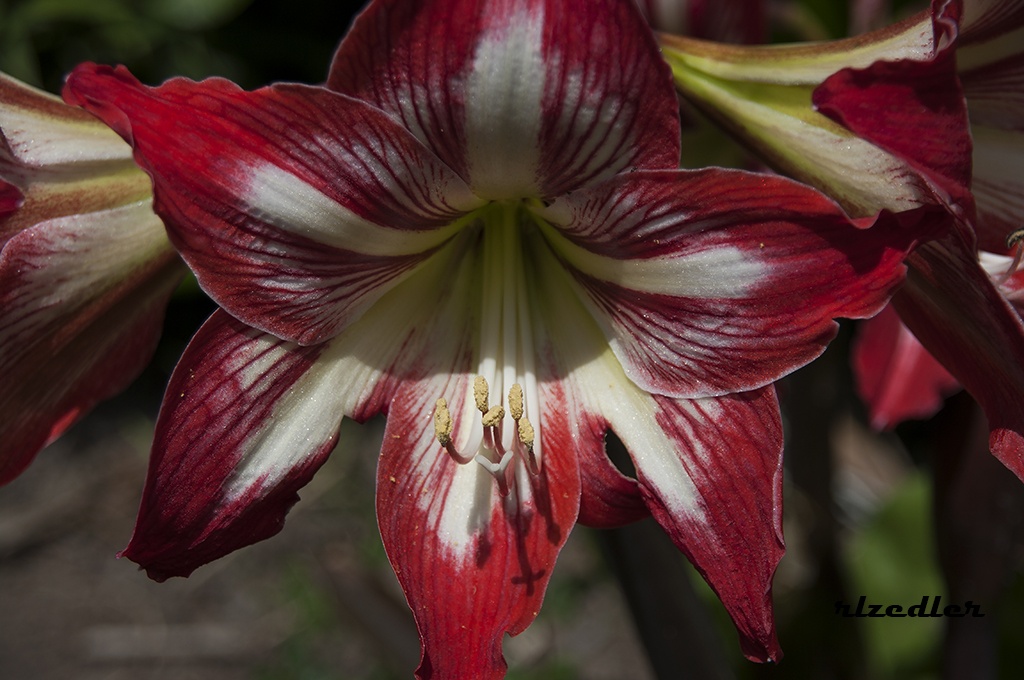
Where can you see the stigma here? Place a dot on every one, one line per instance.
(505, 435)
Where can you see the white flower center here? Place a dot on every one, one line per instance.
(506, 358)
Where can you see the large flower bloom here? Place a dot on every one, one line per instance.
(902, 379)
(479, 229)
(847, 117)
(85, 269)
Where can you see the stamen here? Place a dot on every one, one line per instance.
(443, 427)
(1014, 239)
(526, 440)
(480, 393)
(526, 433)
(515, 402)
(443, 423)
(506, 359)
(493, 416)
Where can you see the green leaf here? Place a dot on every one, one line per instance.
(892, 562)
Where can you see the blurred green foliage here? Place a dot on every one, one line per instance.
(892, 561)
(250, 41)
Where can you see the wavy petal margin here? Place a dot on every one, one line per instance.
(710, 471)
(245, 423)
(520, 97)
(297, 207)
(702, 289)
(248, 417)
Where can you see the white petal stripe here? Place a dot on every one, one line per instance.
(505, 88)
(284, 200)
(722, 272)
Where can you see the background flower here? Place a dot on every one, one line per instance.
(85, 269)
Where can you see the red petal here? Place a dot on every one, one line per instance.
(518, 96)
(473, 565)
(890, 102)
(896, 377)
(951, 306)
(711, 473)
(711, 282)
(297, 207)
(11, 198)
(609, 498)
(210, 489)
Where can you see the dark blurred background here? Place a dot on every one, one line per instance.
(319, 601)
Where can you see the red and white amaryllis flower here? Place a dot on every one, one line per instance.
(847, 117)
(85, 269)
(959, 303)
(478, 227)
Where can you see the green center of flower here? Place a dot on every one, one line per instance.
(506, 354)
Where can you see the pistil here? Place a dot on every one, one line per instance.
(488, 449)
(506, 356)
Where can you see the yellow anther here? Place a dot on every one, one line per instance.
(526, 433)
(442, 423)
(480, 393)
(1014, 237)
(493, 416)
(515, 401)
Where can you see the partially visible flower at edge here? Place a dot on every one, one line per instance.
(729, 21)
(990, 66)
(492, 244)
(847, 117)
(85, 269)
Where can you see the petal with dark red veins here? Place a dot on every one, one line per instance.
(246, 421)
(248, 417)
(896, 377)
(297, 207)
(703, 288)
(711, 474)
(710, 470)
(474, 564)
(520, 97)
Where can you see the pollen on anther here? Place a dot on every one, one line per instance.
(493, 416)
(526, 433)
(480, 393)
(515, 401)
(442, 423)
